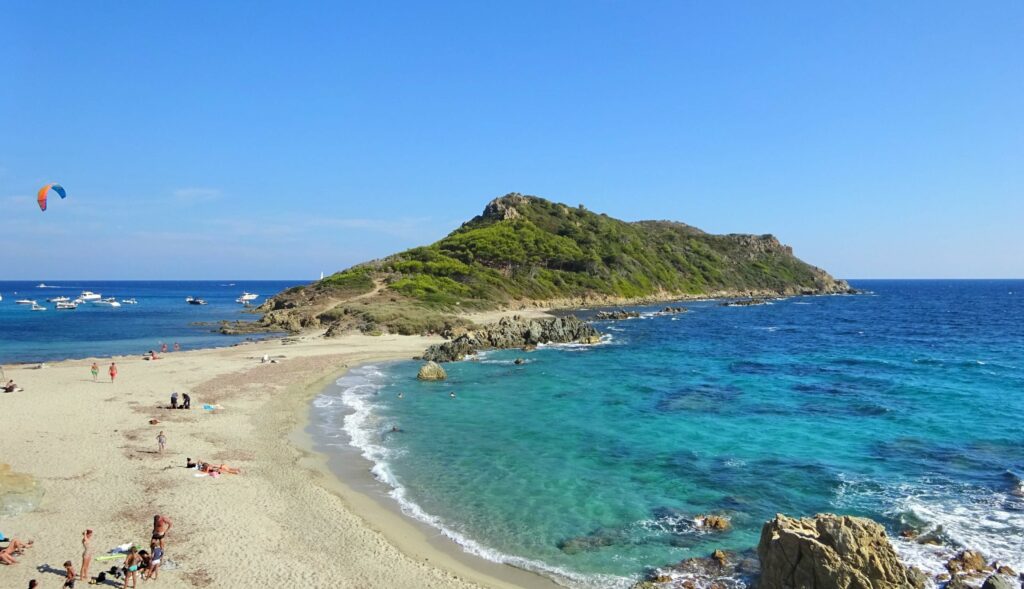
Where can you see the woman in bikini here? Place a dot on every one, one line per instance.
(131, 566)
(86, 554)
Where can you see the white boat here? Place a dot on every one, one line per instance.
(195, 301)
(1, 297)
(247, 297)
(89, 296)
(131, 301)
(58, 300)
(110, 301)
(37, 307)
(24, 302)
(66, 305)
(42, 285)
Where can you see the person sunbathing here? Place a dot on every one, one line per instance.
(219, 469)
(10, 387)
(15, 548)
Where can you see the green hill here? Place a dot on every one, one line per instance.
(525, 250)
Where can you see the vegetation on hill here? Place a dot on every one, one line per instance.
(524, 249)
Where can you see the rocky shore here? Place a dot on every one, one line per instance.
(824, 552)
(512, 332)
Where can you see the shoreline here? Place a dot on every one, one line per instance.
(92, 454)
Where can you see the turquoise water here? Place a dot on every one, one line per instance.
(161, 316)
(904, 405)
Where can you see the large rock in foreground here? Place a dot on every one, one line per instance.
(514, 332)
(828, 552)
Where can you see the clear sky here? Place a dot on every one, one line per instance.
(278, 140)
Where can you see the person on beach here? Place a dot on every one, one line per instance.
(161, 442)
(131, 565)
(86, 554)
(221, 469)
(177, 348)
(174, 400)
(16, 547)
(113, 372)
(161, 525)
(95, 370)
(186, 401)
(69, 575)
(154, 562)
(163, 348)
(33, 584)
(10, 387)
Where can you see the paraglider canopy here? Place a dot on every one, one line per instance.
(41, 199)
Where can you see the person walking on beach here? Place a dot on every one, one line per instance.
(95, 370)
(161, 525)
(69, 575)
(177, 348)
(161, 442)
(174, 400)
(113, 372)
(86, 554)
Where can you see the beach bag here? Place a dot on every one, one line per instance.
(101, 578)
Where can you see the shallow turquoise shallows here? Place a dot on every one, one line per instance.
(593, 462)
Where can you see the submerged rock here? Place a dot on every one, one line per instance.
(514, 332)
(717, 523)
(592, 541)
(615, 315)
(432, 371)
(828, 552)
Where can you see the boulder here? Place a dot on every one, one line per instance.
(967, 561)
(717, 523)
(1000, 582)
(828, 552)
(918, 578)
(615, 315)
(432, 371)
(519, 361)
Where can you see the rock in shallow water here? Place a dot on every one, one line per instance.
(432, 371)
(828, 552)
(514, 332)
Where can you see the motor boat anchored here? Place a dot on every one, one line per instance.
(109, 301)
(37, 307)
(66, 305)
(89, 296)
(59, 300)
(24, 302)
(247, 297)
(131, 301)
(195, 301)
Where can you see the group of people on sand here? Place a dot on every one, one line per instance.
(112, 371)
(137, 561)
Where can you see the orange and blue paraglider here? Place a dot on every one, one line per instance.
(46, 189)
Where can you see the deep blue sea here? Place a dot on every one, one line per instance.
(161, 316)
(905, 405)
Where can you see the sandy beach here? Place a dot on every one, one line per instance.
(284, 521)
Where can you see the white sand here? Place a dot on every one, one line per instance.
(284, 522)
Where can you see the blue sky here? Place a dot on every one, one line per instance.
(279, 140)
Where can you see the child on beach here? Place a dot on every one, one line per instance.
(95, 370)
(161, 442)
(154, 563)
(69, 575)
(113, 372)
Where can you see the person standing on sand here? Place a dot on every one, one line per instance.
(95, 370)
(131, 565)
(174, 399)
(86, 554)
(177, 348)
(113, 372)
(154, 564)
(161, 525)
(161, 442)
(69, 575)
(186, 401)
(163, 348)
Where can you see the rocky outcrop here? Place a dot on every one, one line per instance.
(721, 570)
(967, 561)
(615, 315)
(514, 332)
(715, 523)
(1000, 582)
(828, 552)
(673, 310)
(745, 303)
(432, 371)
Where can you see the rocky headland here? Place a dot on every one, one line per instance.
(512, 332)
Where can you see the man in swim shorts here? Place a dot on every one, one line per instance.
(161, 525)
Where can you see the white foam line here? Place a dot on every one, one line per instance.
(357, 390)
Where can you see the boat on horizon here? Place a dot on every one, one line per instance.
(195, 301)
(88, 295)
(24, 302)
(247, 297)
